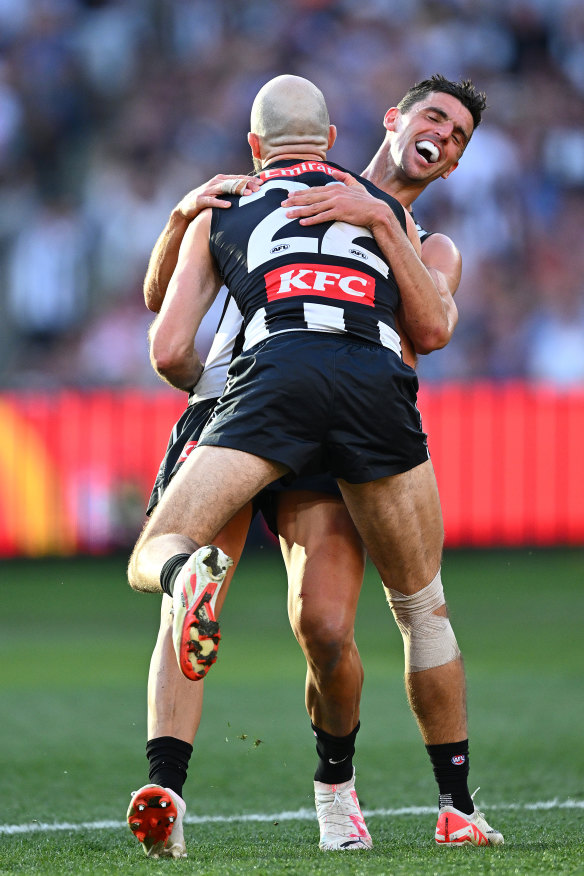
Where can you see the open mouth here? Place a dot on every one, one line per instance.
(428, 150)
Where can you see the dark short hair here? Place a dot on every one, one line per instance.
(464, 91)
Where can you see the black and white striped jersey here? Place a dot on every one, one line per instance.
(228, 343)
(330, 277)
(422, 233)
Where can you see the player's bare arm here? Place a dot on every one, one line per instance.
(165, 253)
(444, 263)
(424, 315)
(192, 289)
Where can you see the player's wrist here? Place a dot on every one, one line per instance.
(382, 218)
(179, 218)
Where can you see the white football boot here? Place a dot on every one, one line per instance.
(195, 630)
(456, 828)
(341, 821)
(155, 817)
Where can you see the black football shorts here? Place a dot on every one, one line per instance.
(321, 402)
(183, 438)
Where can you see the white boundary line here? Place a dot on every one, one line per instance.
(298, 815)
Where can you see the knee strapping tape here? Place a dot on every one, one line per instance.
(429, 640)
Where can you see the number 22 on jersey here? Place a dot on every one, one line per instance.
(338, 240)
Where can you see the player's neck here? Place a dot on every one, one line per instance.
(294, 156)
(383, 173)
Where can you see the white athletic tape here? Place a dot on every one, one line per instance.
(429, 640)
(231, 186)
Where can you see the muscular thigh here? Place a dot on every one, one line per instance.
(324, 557)
(400, 521)
(212, 485)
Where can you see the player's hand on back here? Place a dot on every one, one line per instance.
(209, 193)
(345, 200)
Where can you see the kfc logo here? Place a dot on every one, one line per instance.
(328, 281)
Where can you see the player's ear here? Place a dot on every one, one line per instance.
(447, 173)
(390, 117)
(332, 136)
(254, 142)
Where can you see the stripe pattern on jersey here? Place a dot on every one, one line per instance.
(330, 277)
(316, 318)
(229, 341)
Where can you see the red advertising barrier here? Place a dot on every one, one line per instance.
(509, 463)
(76, 469)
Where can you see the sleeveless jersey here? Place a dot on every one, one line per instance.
(228, 343)
(422, 233)
(329, 277)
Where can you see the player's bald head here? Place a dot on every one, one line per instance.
(290, 111)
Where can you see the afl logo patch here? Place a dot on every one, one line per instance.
(458, 759)
(280, 248)
(359, 254)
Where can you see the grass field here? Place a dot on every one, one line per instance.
(74, 650)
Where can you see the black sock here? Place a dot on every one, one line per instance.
(170, 570)
(169, 760)
(335, 756)
(450, 763)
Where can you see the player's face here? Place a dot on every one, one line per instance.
(429, 139)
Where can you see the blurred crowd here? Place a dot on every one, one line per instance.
(110, 110)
